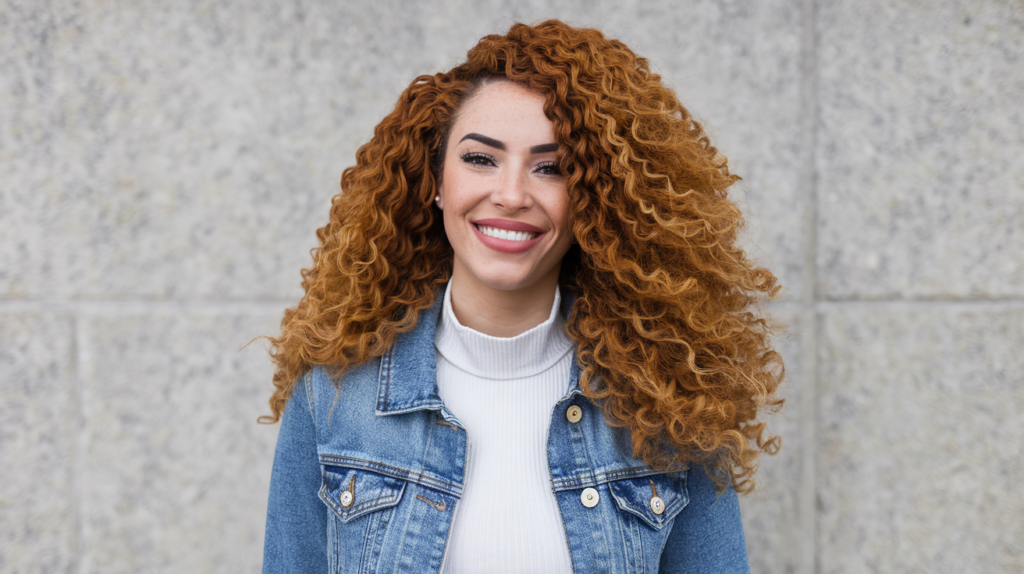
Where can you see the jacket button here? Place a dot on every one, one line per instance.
(346, 498)
(590, 497)
(657, 505)
(574, 414)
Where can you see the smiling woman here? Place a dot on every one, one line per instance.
(526, 341)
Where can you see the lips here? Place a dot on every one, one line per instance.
(507, 245)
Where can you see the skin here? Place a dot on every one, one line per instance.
(495, 292)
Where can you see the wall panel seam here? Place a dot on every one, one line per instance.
(808, 297)
(79, 486)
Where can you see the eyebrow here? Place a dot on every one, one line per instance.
(543, 148)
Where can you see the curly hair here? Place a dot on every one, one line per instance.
(669, 337)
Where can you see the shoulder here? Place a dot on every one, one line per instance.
(329, 394)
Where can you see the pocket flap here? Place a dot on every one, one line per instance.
(351, 493)
(636, 496)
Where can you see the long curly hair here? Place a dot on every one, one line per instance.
(672, 343)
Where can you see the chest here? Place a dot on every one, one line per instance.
(392, 488)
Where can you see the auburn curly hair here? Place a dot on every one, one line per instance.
(667, 333)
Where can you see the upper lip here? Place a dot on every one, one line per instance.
(508, 224)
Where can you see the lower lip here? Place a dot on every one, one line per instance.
(504, 245)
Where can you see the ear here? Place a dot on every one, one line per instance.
(439, 197)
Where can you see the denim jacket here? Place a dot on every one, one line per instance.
(367, 476)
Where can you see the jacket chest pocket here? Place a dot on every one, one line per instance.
(655, 499)
(363, 504)
(645, 509)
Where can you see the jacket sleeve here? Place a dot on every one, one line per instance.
(707, 536)
(296, 533)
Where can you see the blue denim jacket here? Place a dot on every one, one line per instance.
(367, 478)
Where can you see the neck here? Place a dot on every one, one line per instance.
(501, 313)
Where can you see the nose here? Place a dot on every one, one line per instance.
(512, 191)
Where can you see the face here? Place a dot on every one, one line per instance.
(505, 203)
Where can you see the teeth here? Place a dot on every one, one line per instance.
(506, 234)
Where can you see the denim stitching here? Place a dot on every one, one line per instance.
(429, 481)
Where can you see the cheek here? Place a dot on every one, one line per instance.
(452, 186)
(451, 208)
(560, 212)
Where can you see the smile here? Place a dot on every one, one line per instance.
(506, 234)
(508, 240)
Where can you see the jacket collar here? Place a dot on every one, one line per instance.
(408, 370)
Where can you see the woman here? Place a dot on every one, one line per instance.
(525, 343)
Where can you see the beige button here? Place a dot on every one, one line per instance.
(590, 497)
(346, 498)
(574, 414)
(657, 505)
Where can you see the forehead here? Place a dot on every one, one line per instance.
(505, 111)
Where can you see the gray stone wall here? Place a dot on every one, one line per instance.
(163, 166)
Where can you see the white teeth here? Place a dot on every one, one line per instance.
(506, 234)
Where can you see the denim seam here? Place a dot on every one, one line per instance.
(383, 523)
(368, 507)
(384, 381)
(421, 478)
(418, 405)
(599, 478)
(335, 556)
(307, 388)
(638, 548)
(369, 538)
(673, 506)
(629, 542)
(426, 450)
(348, 514)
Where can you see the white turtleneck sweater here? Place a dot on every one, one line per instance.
(502, 390)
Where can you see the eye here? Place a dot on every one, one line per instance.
(549, 168)
(477, 158)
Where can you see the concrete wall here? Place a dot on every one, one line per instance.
(163, 166)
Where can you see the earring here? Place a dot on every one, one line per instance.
(437, 198)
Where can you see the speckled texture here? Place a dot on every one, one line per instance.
(189, 150)
(920, 459)
(921, 186)
(176, 466)
(39, 421)
(163, 151)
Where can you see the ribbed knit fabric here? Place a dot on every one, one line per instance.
(502, 390)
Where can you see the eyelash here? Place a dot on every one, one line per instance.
(472, 158)
(552, 165)
(475, 158)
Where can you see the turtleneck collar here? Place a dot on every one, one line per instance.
(524, 355)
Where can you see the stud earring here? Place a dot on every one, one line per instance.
(437, 198)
